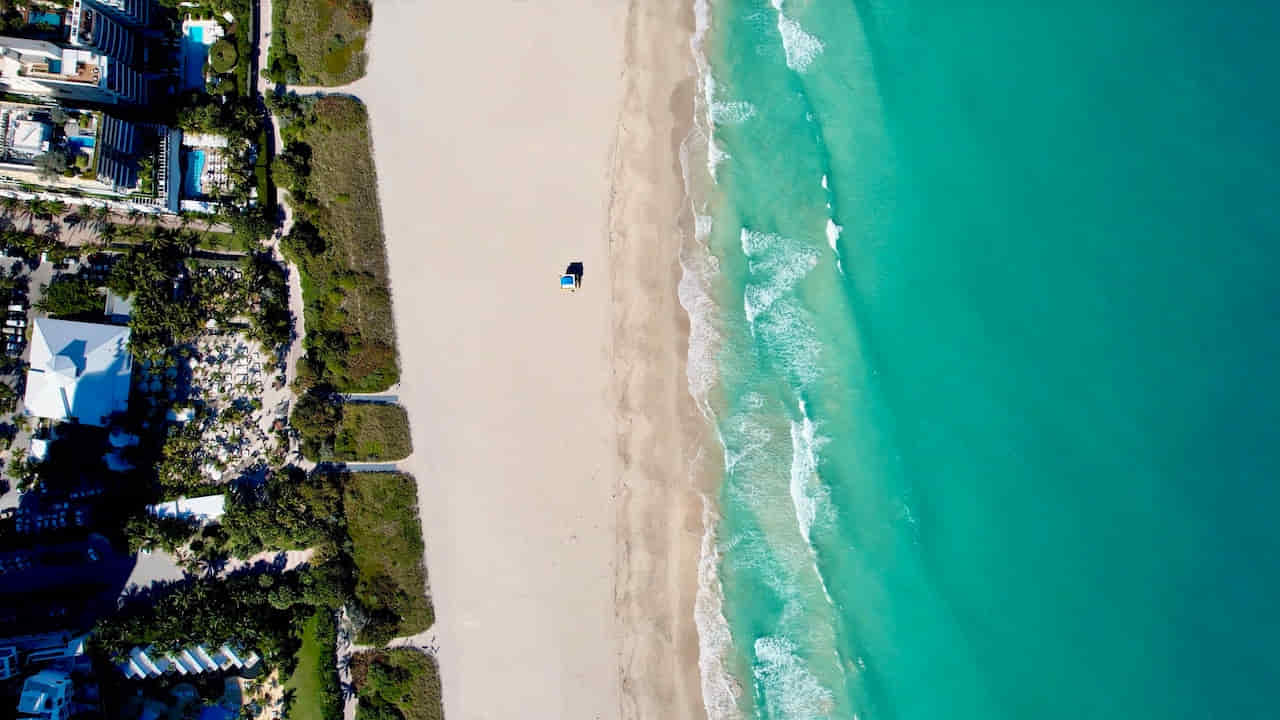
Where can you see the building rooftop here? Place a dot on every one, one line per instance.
(44, 692)
(79, 371)
(206, 508)
(30, 136)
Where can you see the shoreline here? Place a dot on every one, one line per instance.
(662, 438)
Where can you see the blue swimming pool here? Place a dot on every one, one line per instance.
(194, 55)
(44, 18)
(81, 141)
(192, 173)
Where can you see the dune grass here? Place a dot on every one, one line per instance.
(321, 42)
(373, 432)
(386, 538)
(338, 247)
(402, 679)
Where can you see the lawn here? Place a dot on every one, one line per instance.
(314, 681)
(337, 244)
(404, 679)
(319, 42)
(373, 432)
(386, 537)
(223, 242)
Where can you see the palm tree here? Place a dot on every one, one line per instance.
(9, 204)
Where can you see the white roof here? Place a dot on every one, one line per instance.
(39, 449)
(42, 688)
(29, 135)
(117, 305)
(209, 507)
(78, 370)
(204, 140)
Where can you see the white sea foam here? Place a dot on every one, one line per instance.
(776, 265)
(702, 225)
(799, 46)
(790, 690)
(748, 437)
(715, 156)
(810, 498)
(698, 267)
(807, 491)
(833, 234)
(731, 112)
(720, 690)
(833, 238)
(792, 341)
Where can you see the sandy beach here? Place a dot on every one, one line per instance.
(553, 431)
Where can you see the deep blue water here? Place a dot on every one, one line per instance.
(1010, 449)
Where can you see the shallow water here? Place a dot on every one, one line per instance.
(991, 348)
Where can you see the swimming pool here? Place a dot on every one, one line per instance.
(194, 55)
(192, 174)
(44, 18)
(81, 141)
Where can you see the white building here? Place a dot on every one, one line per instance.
(79, 371)
(46, 695)
(30, 137)
(204, 510)
(191, 660)
(43, 69)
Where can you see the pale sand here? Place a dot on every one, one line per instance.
(548, 427)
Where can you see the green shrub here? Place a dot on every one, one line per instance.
(397, 684)
(222, 56)
(386, 541)
(71, 297)
(338, 248)
(372, 432)
(319, 42)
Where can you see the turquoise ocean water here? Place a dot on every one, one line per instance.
(985, 303)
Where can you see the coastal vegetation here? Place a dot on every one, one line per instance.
(314, 686)
(172, 302)
(373, 432)
(337, 245)
(290, 510)
(222, 56)
(318, 42)
(363, 529)
(255, 610)
(72, 298)
(351, 431)
(397, 684)
(386, 539)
